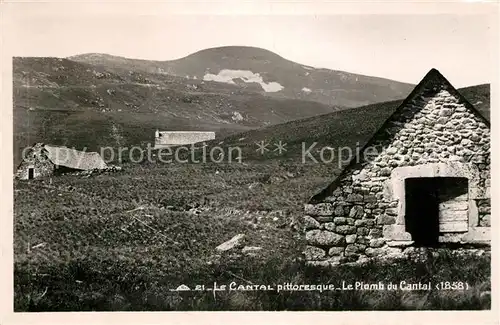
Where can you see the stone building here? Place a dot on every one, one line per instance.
(165, 139)
(422, 180)
(43, 160)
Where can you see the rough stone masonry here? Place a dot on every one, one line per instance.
(434, 134)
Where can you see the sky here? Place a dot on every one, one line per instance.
(400, 47)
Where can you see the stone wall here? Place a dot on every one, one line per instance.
(484, 210)
(433, 135)
(35, 158)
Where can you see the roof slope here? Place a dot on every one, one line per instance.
(71, 158)
(183, 137)
(432, 79)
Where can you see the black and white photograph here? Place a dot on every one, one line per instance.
(168, 161)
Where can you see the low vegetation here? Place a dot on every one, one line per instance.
(122, 241)
(99, 283)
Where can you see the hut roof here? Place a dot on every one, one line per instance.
(183, 137)
(71, 158)
(432, 78)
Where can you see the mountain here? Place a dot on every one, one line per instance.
(61, 84)
(94, 101)
(265, 72)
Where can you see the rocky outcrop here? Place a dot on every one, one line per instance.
(236, 241)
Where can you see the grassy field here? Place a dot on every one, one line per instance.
(122, 241)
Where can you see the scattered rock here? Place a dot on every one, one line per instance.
(195, 211)
(485, 295)
(251, 250)
(255, 185)
(234, 242)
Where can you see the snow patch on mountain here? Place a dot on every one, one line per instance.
(228, 76)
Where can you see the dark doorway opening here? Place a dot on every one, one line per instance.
(31, 173)
(422, 211)
(425, 197)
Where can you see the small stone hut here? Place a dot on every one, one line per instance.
(42, 160)
(164, 139)
(422, 180)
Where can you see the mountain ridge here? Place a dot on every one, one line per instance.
(252, 68)
(80, 105)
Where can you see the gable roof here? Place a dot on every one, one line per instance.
(183, 137)
(71, 158)
(432, 78)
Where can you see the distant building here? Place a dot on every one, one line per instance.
(424, 183)
(165, 139)
(44, 160)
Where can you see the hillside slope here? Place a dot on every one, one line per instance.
(348, 129)
(263, 71)
(53, 83)
(63, 102)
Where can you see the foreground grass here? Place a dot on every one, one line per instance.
(121, 242)
(134, 284)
